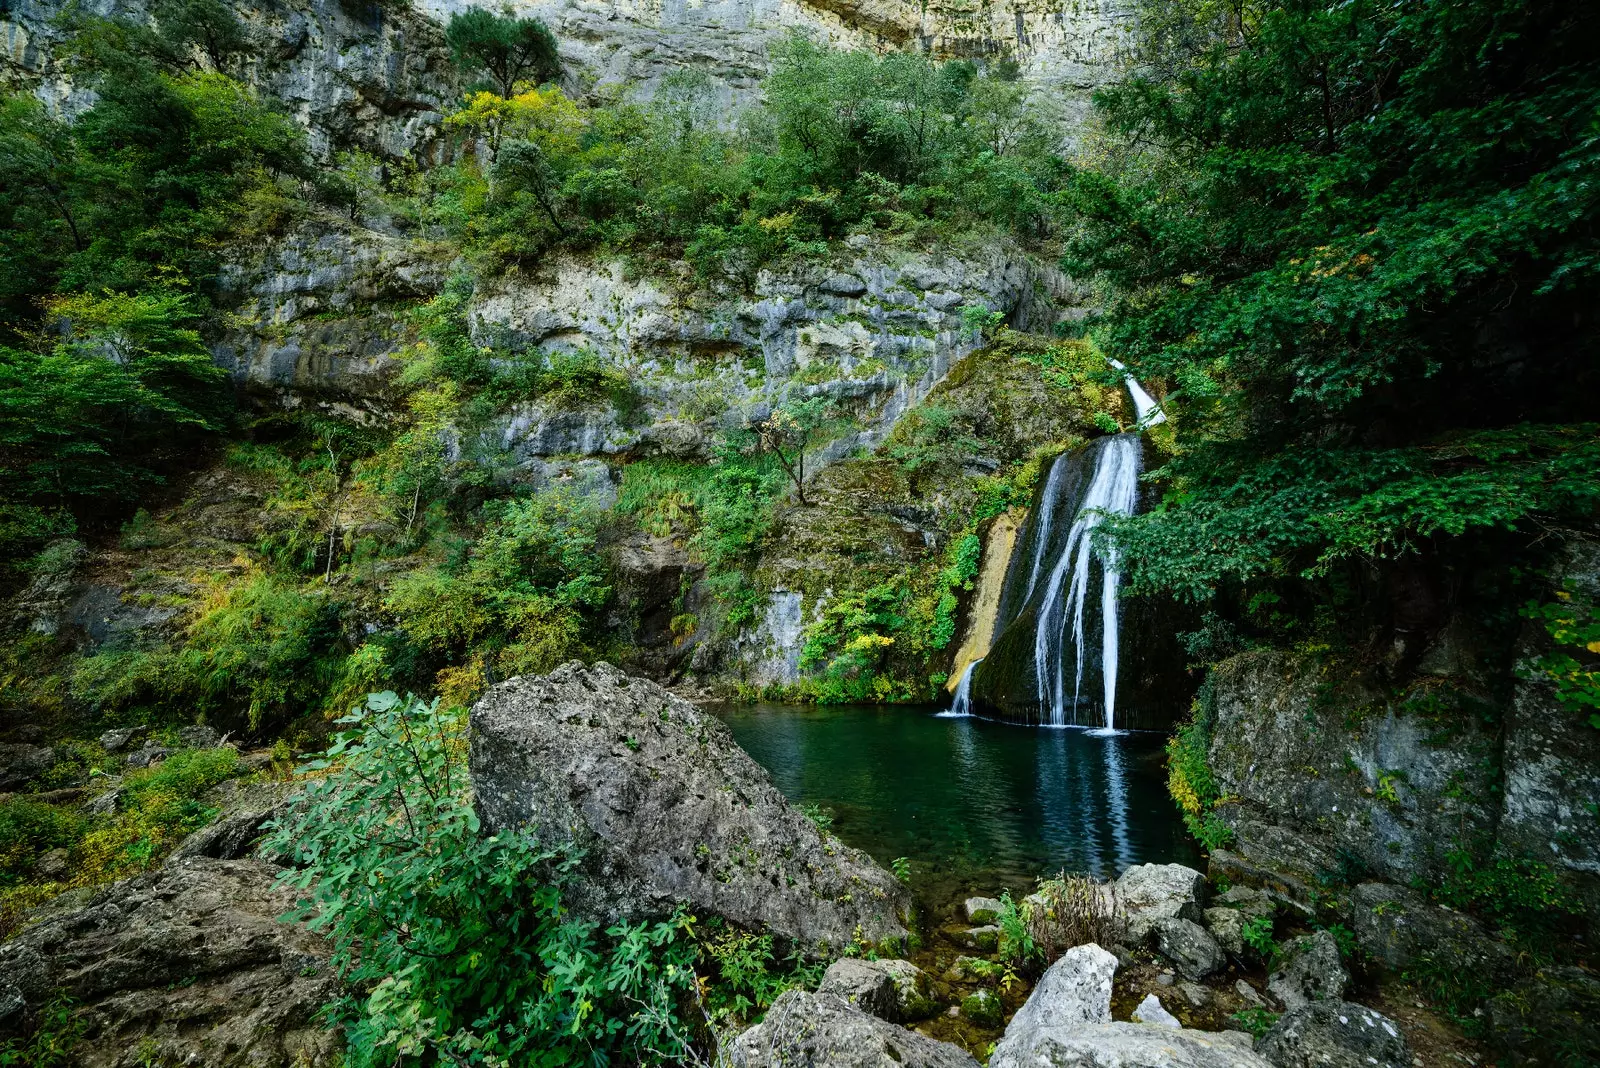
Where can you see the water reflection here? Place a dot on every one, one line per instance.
(975, 805)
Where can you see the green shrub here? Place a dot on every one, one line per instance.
(30, 828)
(458, 946)
(1189, 778)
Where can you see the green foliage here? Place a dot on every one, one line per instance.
(1256, 1021)
(1256, 932)
(818, 815)
(53, 1040)
(454, 945)
(1574, 625)
(509, 50)
(1523, 896)
(901, 866)
(1316, 231)
(28, 830)
(1189, 778)
(1016, 942)
(745, 976)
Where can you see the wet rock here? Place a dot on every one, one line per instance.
(1073, 992)
(1152, 892)
(972, 969)
(1188, 946)
(668, 810)
(981, 910)
(1335, 1034)
(986, 938)
(1399, 928)
(821, 1029)
(20, 764)
(1151, 1012)
(1308, 970)
(983, 1007)
(893, 990)
(188, 963)
(1196, 995)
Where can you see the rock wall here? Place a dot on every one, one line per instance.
(1327, 776)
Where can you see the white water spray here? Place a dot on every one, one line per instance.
(961, 703)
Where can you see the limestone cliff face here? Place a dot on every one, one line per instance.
(356, 75)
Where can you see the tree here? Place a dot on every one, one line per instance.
(786, 433)
(1358, 241)
(509, 50)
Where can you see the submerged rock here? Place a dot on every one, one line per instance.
(668, 810)
(1309, 970)
(822, 1029)
(1335, 1034)
(893, 990)
(188, 963)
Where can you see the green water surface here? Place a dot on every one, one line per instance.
(977, 807)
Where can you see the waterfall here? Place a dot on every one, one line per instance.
(1113, 488)
(961, 705)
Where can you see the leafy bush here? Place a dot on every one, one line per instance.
(1071, 910)
(1575, 627)
(1189, 777)
(746, 976)
(459, 946)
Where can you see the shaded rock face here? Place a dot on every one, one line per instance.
(1326, 772)
(1400, 929)
(823, 1029)
(184, 965)
(668, 810)
(1190, 947)
(1335, 1034)
(1308, 969)
(1550, 1017)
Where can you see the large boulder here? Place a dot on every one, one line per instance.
(21, 763)
(668, 810)
(1073, 992)
(1335, 1034)
(893, 990)
(823, 1029)
(189, 964)
(1149, 893)
(1550, 1017)
(1308, 970)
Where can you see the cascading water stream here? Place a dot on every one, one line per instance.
(1113, 489)
(961, 701)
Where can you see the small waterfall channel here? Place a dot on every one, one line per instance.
(1060, 613)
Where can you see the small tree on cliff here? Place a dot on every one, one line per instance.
(509, 50)
(786, 433)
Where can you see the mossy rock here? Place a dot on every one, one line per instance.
(984, 1008)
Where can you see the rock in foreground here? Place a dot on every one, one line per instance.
(1335, 1034)
(893, 990)
(187, 964)
(820, 1029)
(667, 810)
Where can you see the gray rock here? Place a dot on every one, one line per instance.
(1335, 1034)
(146, 755)
(104, 804)
(1400, 929)
(113, 740)
(1195, 994)
(893, 990)
(53, 866)
(980, 910)
(1152, 892)
(668, 810)
(245, 811)
(1227, 927)
(1073, 992)
(821, 1029)
(1249, 902)
(1308, 969)
(199, 736)
(20, 764)
(188, 963)
(1132, 1045)
(1150, 1011)
(1189, 947)
(1249, 993)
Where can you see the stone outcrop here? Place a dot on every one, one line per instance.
(1189, 947)
(188, 964)
(893, 990)
(1150, 893)
(823, 1029)
(1400, 929)
(668, 810)
(1335, 1034)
